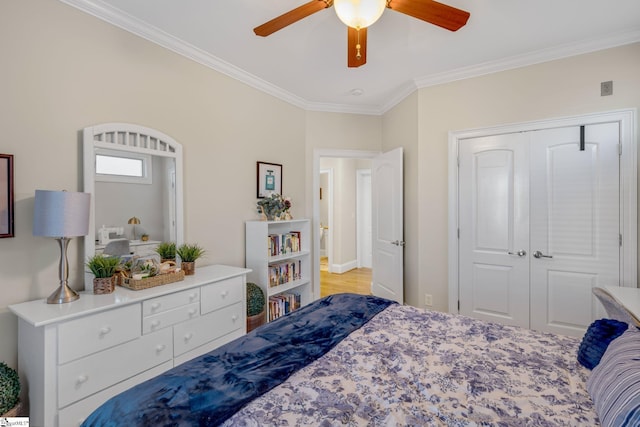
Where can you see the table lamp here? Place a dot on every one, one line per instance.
(61, 215)
(135, 221)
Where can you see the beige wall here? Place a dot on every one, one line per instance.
(560, 88)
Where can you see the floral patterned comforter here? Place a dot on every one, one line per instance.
(410, 367)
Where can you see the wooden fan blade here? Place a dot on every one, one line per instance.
(433, 12)
(292, 16)
(356, 55)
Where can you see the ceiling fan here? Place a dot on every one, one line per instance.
(359, 14)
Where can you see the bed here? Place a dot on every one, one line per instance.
(360, 360)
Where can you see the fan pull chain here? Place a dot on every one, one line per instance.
(358, 55)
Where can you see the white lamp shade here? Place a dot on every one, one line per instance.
(359, 13)
(61, 214)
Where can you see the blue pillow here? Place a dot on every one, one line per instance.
(597, 339)
(614, 385)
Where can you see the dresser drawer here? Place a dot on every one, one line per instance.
(197, 332)
(168, 302)
(170, 317)
(74, 415)
(221, 294)
(96, 332)
(91, 374)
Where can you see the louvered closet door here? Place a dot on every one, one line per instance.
(494, 229)
(575, 219)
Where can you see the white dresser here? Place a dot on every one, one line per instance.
(73, 357)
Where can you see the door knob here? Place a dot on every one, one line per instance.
(539, 254)
(521, 252)
(398, 243)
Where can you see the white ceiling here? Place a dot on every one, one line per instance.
(306, 63)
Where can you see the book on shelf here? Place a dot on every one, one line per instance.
(282, 244)
(284, 272)
(282, 304)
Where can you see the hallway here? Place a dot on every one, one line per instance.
(357, 281)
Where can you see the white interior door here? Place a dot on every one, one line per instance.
(575, 225)
(387, 219)
(494, 229)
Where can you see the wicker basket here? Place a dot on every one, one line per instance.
(14, 412)
(150, 282)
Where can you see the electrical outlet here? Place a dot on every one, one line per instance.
(428, 300)
(606, 88)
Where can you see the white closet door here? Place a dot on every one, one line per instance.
(574, 224)
(494, 229)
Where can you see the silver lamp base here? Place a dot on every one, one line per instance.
(64, 293)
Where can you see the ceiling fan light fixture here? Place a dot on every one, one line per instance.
(359, 13)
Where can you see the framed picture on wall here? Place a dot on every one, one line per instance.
(269, 179)
(6, 195)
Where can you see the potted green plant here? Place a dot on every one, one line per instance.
(103, 268)
(9, 391)
(167, 251)
(256, 313)
(188, 254)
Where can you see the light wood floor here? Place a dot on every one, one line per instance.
(357, 281)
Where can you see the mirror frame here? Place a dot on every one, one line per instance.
(132, 139)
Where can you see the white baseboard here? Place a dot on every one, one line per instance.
(343, 268)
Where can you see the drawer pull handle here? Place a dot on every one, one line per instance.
(155, 324)
(192, 312)
(82, 379)
(105, 330)
(224, 293)
(188, 336)
(160, 348)
(234, 317)
(155, 306)
(193, 296)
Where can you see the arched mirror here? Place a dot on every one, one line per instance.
(134, 175)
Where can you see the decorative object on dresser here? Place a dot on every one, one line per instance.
(256, 303)
(269, 179)
(9, 391)
(6, 195)
(61, 215)
(73, 360)
(134, 221)
(167, 251)
(282, 268)
(104, 269)
(188, 254)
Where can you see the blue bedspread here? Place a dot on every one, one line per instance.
(209, 389)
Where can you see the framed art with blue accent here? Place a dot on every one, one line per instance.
(269, 179)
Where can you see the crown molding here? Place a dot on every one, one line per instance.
(142, 29)
(117, 17)
(530, 58)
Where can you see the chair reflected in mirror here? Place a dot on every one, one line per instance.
(117, 248)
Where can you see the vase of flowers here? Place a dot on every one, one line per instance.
(275, 207)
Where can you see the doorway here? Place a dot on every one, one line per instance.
(541, 211)
(344, 200)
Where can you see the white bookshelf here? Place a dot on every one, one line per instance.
(259, 259)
